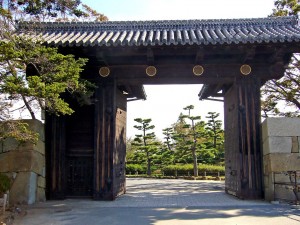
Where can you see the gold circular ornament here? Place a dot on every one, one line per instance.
(151, 71)
(245, 69)
(198, 70)
(104, 71)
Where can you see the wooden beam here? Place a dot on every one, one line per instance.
(199, 56)
(184, 73)
(277, 55)
(249, 56)
(102, 58)
(150, 56)
(174, 80)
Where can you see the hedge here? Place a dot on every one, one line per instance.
(188, 170)
(135, 169)
(177, 170)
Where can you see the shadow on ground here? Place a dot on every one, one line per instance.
(162, 202)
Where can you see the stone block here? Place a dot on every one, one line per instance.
(295, 145)
(24, 189)
(277, 145)
(41, 182)
(11, 144)
(281, 162)
(44, 172)
(268, 181)
(280, 127)
(39, 147)
(36, 126)
(22, 161)
(1, 147)
(269, 187)
(285, 192)
(269, 194)
(40, 195)
(5, 162)
(281, 178)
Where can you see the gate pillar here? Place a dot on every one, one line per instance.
(110, 142)
(243, 152)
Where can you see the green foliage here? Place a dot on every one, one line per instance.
(146, 144)
(286, 8)
(180, 140)
(285, 91)
(276, 94)
(60, 10)
(187, 134)
(135, 169)
(214, 139)
(188, 169)
(55, 74)
(5, 184)
(187, 139)
(18, 130)
(33, 73)
(209, 140)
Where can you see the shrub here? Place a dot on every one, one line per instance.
(135, 168)
(211, 169)
(178, 170)
(187, 170)
(4, 184)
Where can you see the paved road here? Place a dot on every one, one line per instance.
(162, 202)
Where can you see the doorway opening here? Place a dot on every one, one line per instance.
(200, 143)
(165, 103)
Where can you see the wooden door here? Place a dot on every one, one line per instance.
(79, 152)
(243, 160)
(120, 145)
(232, 151)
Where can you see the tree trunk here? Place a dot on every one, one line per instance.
(28, 107)
(296, 102)
(195, 163)
(149, 167)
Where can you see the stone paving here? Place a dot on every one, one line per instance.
(162, 202)
(176, 193)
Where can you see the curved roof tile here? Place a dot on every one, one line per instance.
(177, 32)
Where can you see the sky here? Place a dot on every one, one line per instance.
(165, 102)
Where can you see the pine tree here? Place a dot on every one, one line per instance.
(285, 91)
(146, 143)
(50, 10)
(187, 137)
(215, 136)
(31, 72)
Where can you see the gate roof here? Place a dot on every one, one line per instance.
(174, 47)
(182, 32)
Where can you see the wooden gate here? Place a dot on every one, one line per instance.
(86, 152)
(79, 153)
(242, 139)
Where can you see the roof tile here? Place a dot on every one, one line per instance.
(178, 32)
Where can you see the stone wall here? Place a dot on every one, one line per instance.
(281, 147)
(25, 164)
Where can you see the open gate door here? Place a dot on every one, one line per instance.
(110, 142)
(242, 140)
(119, 186)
